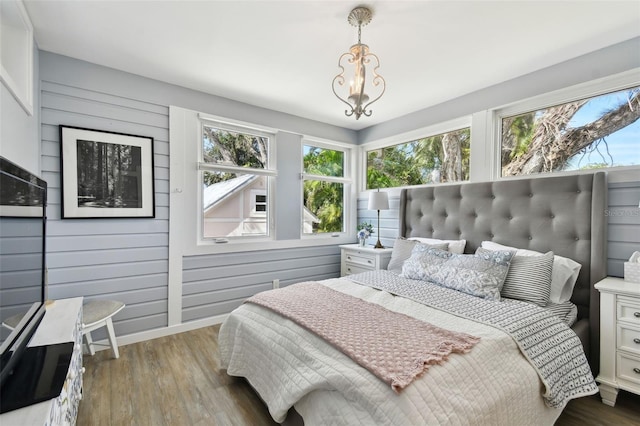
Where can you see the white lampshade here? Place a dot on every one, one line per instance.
(378, 201)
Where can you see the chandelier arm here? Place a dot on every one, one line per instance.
(377, 79)
(341, 80)
(340, 77)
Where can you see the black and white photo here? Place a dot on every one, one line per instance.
(106, 174)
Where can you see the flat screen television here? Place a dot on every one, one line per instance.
(23, 289)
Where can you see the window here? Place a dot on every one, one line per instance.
(259, 198)
(235, 177)
(439, 158)
(590, 133)
(324, 189)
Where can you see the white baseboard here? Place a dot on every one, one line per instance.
(161, 332)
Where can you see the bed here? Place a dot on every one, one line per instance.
(496, 382)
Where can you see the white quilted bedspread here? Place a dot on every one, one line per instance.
(287, 365)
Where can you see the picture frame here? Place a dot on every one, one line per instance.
(106, 174)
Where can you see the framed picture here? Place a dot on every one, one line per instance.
(106, 174)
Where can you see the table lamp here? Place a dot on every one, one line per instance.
(378, 201)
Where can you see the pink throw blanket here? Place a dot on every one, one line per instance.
(395, 347)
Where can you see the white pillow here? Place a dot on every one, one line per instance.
(563, 276)
(455, 246)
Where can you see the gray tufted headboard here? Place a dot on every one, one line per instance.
(564, 214)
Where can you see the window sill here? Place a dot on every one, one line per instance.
(211, 247)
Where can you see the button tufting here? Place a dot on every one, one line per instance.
(577, 238)
(553, 216)
(530, 237)
(509, 217)
(530, 195)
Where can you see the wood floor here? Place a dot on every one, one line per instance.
(175, 380)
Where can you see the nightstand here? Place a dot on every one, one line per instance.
(619, 338)
(356, 259)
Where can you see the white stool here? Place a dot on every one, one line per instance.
(97, 314)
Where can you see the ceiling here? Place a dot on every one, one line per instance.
(283, 55)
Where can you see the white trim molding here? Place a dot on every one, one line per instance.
(16, 68)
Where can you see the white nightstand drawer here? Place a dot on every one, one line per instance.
(629, 339)
(355, 269)
(629, 368)
(628, 310)
(360, 259)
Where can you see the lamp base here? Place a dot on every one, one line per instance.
(378, 244)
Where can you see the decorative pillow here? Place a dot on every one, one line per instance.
(402, 251)
(455, 246)
(528, 279)
(563, 275)
(480, 275)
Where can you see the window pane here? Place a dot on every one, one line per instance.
(603, 131)
(323, 207)
(231, 207)
(234, 149)
(439, 158)
(323, 162)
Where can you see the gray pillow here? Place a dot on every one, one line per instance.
(402, 251)
(480, 274)
(529, 278)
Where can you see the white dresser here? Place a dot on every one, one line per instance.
(619, 338)
(62, 322)
(356, 259)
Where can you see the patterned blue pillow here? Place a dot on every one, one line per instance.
(480, 275)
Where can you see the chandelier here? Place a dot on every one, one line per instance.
(360, 62)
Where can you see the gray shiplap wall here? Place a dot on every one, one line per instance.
(623, 219)
(217, 284)
(624, 225)
(120, 259)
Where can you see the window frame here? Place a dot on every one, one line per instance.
(269, 172)
(565, 95)
(421, 133)
(255, 193)
(349, 216)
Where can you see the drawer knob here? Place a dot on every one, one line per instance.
(349, 257)
(636, 314)
(636, 370)
(636, 340)
(369, 261)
